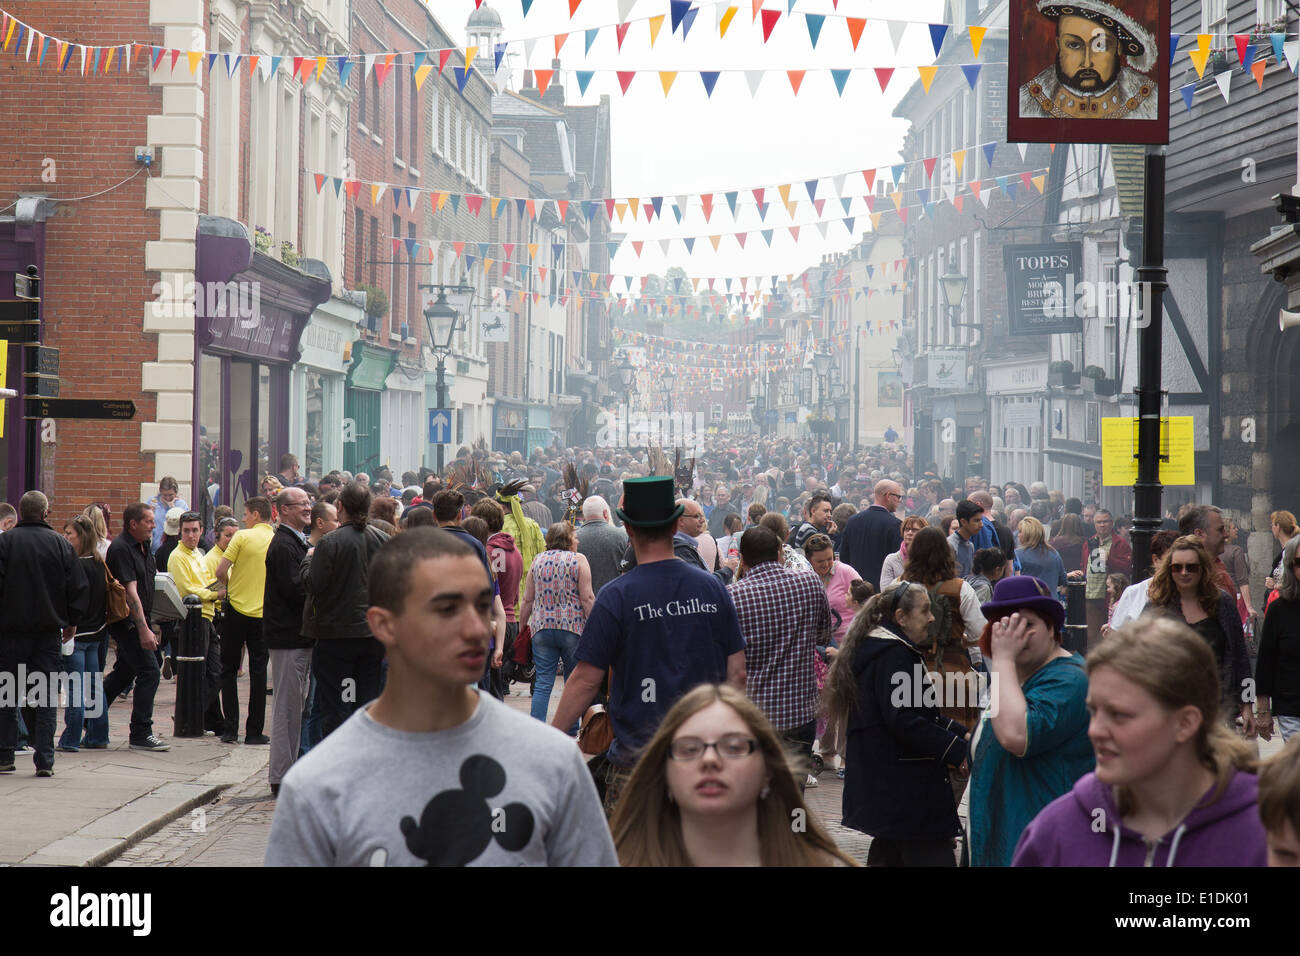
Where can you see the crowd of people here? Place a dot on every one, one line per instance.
(726, 629)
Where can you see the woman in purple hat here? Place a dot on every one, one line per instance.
(1031, 743)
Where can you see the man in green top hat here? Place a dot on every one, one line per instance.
(664, 627)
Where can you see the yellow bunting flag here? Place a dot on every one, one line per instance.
(320, 66)
(635, 204)
(470, 53)
(621, 209)
(195, 57)
(875, 220)
(1198, 60)
(421, 74)
(722, 24)
(1039, 183)
(977, 39)
(488, 264)
(1203, 40)
(496, 206)
(655, 24)
(715, 240)
(532, 250)
(784, 190)
(666, 78)
(376, 190)
(959, 160)
(897, 197)
(927, 76)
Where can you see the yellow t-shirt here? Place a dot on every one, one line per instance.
(212, 559)
(192, 576)
(246, 580)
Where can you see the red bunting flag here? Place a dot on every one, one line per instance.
(625, 78)
(769, 21)
(929, 166)
(883, 74)
(870, 176)
(620, 32)
(320, 181)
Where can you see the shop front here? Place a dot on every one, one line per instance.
(248, 333)
(539, 427)
(509, 427)
(363, 406)
(406, 422)
(318, 383)
(1016, 409)
(22, 244)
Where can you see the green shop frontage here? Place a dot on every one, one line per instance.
(363, 406)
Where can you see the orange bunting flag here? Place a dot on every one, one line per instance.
(796, 79)
(870, 176)
(543, 80)
(573, 6)
(560, 39)
(855, 25)
(1257, 68)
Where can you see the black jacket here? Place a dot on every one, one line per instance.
(43, 587)
(337, 578)
(283, 599)
(869, 537)
(686, 552)
(896, 786)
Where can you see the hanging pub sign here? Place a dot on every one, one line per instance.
(1044, 294)
(1088, 72)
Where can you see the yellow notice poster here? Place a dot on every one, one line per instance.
(4, 372)
(1119, 464)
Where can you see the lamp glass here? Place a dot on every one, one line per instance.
(954, 287)
(822, 363)
(669, 380)
(441, 318)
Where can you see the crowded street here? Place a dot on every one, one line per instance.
(649, 434)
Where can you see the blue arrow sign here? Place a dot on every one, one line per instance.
(439, 426)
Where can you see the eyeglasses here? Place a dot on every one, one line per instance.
(1184, 568)
(731, 746)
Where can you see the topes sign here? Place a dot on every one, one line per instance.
(1041, 293)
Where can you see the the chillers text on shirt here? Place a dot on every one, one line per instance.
(649, 612)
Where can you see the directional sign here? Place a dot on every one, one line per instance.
(439, 426)
(43, 386)
(26, 287)
(37, 407)
(41, 360)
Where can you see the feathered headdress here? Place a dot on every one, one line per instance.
(574, 493)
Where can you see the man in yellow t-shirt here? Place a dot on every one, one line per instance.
(243, 570)
(188, 569)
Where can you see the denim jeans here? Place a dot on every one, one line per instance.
(311, 734)
(133, 663)
(550, 646)
(84, 662)
(1288, 727)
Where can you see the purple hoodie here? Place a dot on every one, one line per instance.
(1082, 828)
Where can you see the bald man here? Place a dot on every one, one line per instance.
(872, 535)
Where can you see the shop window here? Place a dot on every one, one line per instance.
(313, 457)
(212, 474)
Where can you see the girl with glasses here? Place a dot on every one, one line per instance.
(715, 788)
(900, 749)
(1184, 588)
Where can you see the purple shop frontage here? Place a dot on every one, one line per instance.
(250, 314)
(22, 244)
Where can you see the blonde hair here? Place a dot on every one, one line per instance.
(646, 825)
(1032, 535)
(1173, 664)
(96, 515)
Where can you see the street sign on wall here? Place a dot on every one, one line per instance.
(1119, 463)
(947, 369)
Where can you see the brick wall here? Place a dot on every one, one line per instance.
(95, 280)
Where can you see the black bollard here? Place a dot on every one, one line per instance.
(191, 670)
(1076, 618)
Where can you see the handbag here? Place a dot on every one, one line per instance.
(595, 733)
(116, 607)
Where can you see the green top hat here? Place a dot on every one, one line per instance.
(649, 502)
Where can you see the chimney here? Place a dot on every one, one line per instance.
(555, 92)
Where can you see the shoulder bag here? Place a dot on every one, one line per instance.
(116, 607)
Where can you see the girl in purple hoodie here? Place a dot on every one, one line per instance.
(1173, 785)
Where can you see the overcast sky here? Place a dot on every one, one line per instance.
(688, 143)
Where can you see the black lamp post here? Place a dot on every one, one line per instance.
(953, 284)
(822, 360)
(669, 380)
(444, 322)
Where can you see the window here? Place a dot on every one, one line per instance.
(412, 313)
(374, 249)
(287, 164)
(399, 119)
(1271, 12)
(1214, 19)
(398, 301)
(361, 90)
(376, 117)
(414, 151)
(314, 208)
(436, 145)
(358, 246)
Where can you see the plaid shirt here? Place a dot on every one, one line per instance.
(783, 615)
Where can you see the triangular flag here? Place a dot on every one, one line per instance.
(462, 77)
(590, 38)
(989, 149)
(811, 186)
(560, 40)
(814, 21)
(1257, 68)
(656, 24)
(543, 80)
(1277, 40)
(715, 240)
(527, 6)
(1173, 44)
(194, 56)
(977, 38)
(1292, 51)
(421, 74)
(689, 21)
(1198, 58)
(666, 78)
(937, 32)
(620, 33)
(929, 163)
(706, 202)
(796, 79)
(731, 201)
(927, 76)
(959, 160)
(443, 57)
(856, 26)
(320, 182)
(972, 71)
(1039, 183)
(869, 175)
(1188, 91)
(678, 9)
(710, 80)
(584, 78)
(840, 77)
(753, 78)
(498, 54)
(573, 7)
(1242, 42)
(1224, 80)
(725, 19)
(625, 78)
(896, 30)
(883, 73)
(897, 172)
(1249, 58)
(769, 22)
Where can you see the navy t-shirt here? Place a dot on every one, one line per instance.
(664, 628)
